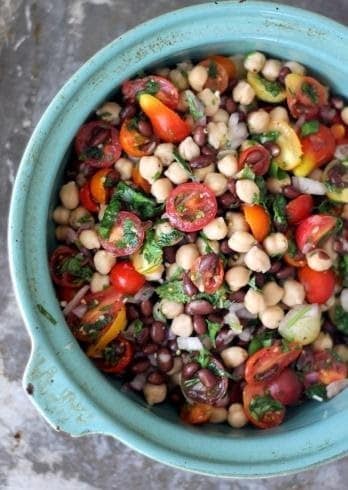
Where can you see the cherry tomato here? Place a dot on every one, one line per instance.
(116, 356)
(299, 208)
(167, 124)
(126, 279)
(267, 363)
(139, 181)
(65, 293)
(97, 144)
(297, 260)
(207, 273)
(319, 286)
(227, 63)
(311, 230)
(320, 146)
(307, 99)
(338, 131)
(98, 190)
(63, 268)
(132, 141)
(87, 200)
(328, 367)
(217, 75)
(286, 388)
(257, 158)
(261, 409)
(160, 87)
(196, 414)
(126, 235)
(258, 220)
(191, 206)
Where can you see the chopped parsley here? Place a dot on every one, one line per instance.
(138, 326)
(270, 136)
(340, 318)
(203, 358)
(277, 172)
(292, 249)
(316, 392)
(261, 405)
(92, 153)
(152, 87)
(213, 330)
(310, 91)
(194, 106)
(182, 162)
(169, 239)
(343, 269)
(151, 250)
(309, 127)
(247, 173)
(273, 88)
(110, 354)
(279, 211)
(173, 290)
(109, 217)
(264, 339)
(212, 69)
(92, 329)
(331, 187)
(144, 206)
(129, 235)
(327, 206)
(219, 299)
(46, 314)
(73, 265)
(261, 184)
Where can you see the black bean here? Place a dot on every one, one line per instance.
(169, 254)
(224, 248)
(231, 185)
(149, 349)
(201, 161)
(199, 325)
(284, 72)
(275, 267)
(228, 200)
(146, 307)
(132, 313)
(158, 332)
(199, 135)
(199, 307)
(189, 288)
(140, 366)
(172, 345)
(176, 396)
(145, 128)
(230, 106)
(215, 317)
(207, 378)
(237, 296)
(128, 111)
(147, 320)
(224, 338)
(191, 237)
(336, 175)
(189, 369)
(290, 192)
(143, 336)
(208, 262)
(208, 150)
(259, 279)
(156, 378)
(285, 273)
(164, 359)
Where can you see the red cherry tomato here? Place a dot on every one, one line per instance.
(191, 206)
(217, 74)
(267, 363)
(207, 273)
(126, 235)
(196, 414)
(319, 286)
(286, 388)
(132, 141)
(257, 158)
(308, 99)
(87, 200)
(97, 144)
(160, 87)
(299, 208)
(62, 273)
(297, 260)
(65, 293)
(319, 146)
(311, 230)
(126, 279)
(116, 356)
(261, 409)
(328, 367)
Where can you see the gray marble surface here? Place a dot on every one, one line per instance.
(41, 44)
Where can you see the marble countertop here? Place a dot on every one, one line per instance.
(41, 44)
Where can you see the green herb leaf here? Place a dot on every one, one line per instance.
(129, 235)
(92, 330)
(309, 127)
(138, 326)
(279, 209)
(92, 153)
(219, 299)
(247, 173)
(327, 207)
(173, 290)
(46, 314)
(270, 136)
(109, 217)
(277, 172)
(261, 405)
(73, 266)
(169, 239)
(292, 248)
(136, 201)
(151, 250)
(261, 184)
(317, 392)
(252, 284)
(203, 358)
(264, 339)
(213, 329)
(310, 91)
(331, 187)
(194, 105)
(152, 87)
(110, 354)
(212, 69)
(341, 319)
(182, 162)
(343, 269)
(273, 88)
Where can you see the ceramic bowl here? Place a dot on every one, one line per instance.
(64, 385)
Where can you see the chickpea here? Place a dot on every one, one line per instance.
(182, 325)
(211, 101)
(236, 222)
(319, 260)
(257, 260)
(295, 67)
(254, 301)
(179, 80)
(69, 195)
(279, 113)
(328, 247)
(63, 232)
(197, 77)
(155, 393)
(171, 309)
(217, 134)
(237, 277)
(241, 241)
(176, 173)
(161, 189)
(323, 342)
(272, 316)
(234, 356)
(177, 366)
(99, 282)
(275, 186)
(276, 244)
(294, 293)
(243, 93)
(272, 293)
(164, 151)
(236, 416)
(221, 116)
(104, 261)
(271, 70)
(218, 415)
(342, 351)
(79, 216)
(188, 149)
(258, 121)
(156, 274)
(125, 167)
(186, 255)
(216, 229)
(201, 173)
(344, 299)
(109, 112)
(228, 165)
(150, 168)
(254, 62)
(89, 239)
(247, 190)
(206, 246)
(61, 215)
(216, 182)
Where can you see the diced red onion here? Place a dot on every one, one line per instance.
(341, 152)
(189, 343)
(309, 186)
(142, 295)
(299, 123)
(336, 387)
(76, 300)
(80, 310)
(138, 382)
(311, 378)
(246, 335)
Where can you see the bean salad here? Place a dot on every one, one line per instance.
(202, 253)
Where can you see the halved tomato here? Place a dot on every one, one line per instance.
(139, 181)
(257, 158)
(258, 219)
(87, 200)
(69, 268)
(328, 367)
(311, 230)
(261, 409)
(319, 286)
(318, 149)
(116, 356)
(207, 273)
(305, 95)
(226, 62)
(99, 191)
(132, 141)
(126, 235)
(217, 75)
(299, 208)
(160, 87)
(126, 279)
(97, 144)
(196, 413)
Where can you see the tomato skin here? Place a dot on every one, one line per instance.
(66, 293)
(300, 103)
(126, 279)
(299, 208)
(257, 158)
(297, 261)
(286, 388)
(319, 286)
(114, 243)
(139, 181)
(123, 362)
(311, 230)
(328, 367)
(258, 219)
(194, 198)
(132, 141)
(98, 191)
(267, 363)
(167, 91)
(166, 123)
(217, 74)
(93, 134)
(320, 146)
(87, 200)
(65, 279)
(227, 63)
(207, 271)
(270, 419)
(196, 414)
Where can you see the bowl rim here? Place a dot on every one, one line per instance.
(90, 415)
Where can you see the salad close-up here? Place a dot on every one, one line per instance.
(202, 240)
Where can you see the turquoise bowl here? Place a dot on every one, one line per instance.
(66, 388)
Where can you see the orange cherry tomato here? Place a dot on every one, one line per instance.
(299, 208)
(196, 414)
(227, 63)
(217, 75)
(318, 147)
(98, 190)
(260, 408)
(258, 219)
(132, 141)
(116, 356)
(87, 200)
(338, 131)
(139, 181)
(166, 123)
(312, 229)
(319, 286)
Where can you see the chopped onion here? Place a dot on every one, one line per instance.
(301, 324)
(142, 295)
(237, 132)
(76, 300)
(138, 382)
(189, 343)
(341, 152)
(233, 322)
(244, 313)
(336, 387)
(80, 310)
(309, 186)
(246, 335)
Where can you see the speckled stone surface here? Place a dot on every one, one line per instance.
(41, 44)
